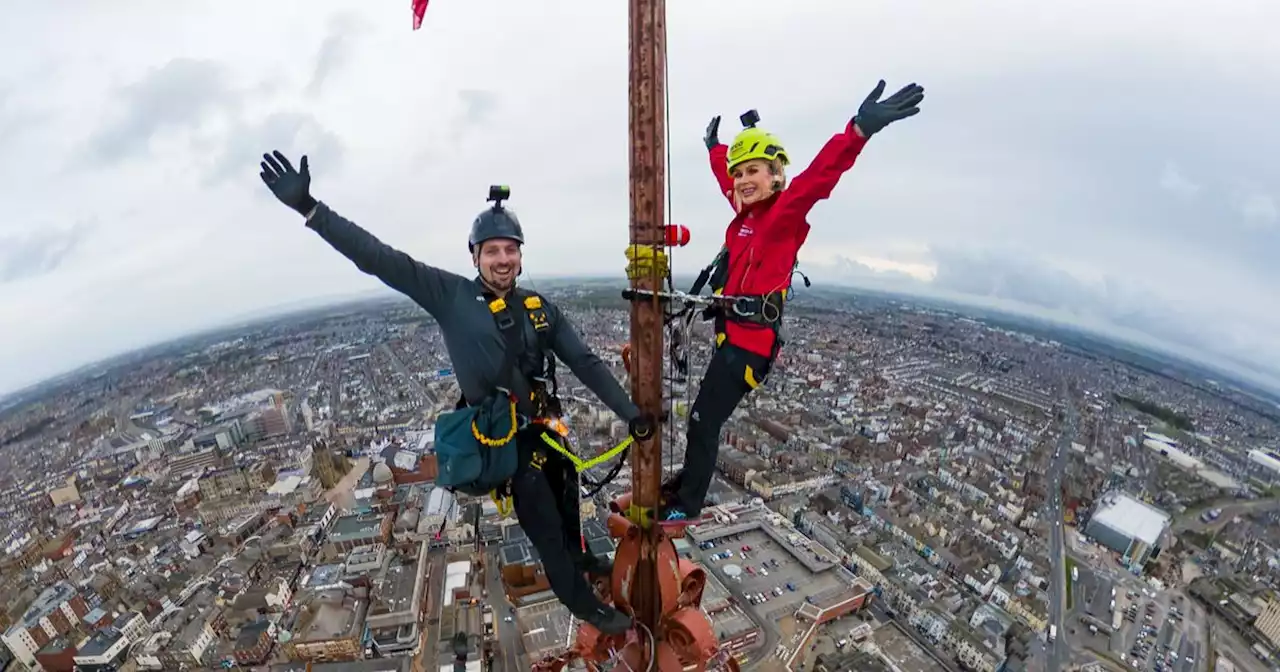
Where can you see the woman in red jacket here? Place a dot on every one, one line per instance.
(756, 263)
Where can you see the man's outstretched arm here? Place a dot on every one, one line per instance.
(589, 368)
(426, 285)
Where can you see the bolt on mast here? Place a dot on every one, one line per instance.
(647, 93)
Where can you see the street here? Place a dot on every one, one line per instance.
(510, 644)
(423, 396)
(1058, 651)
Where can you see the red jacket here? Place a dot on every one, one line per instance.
(765, 237)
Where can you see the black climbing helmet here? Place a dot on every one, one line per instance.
(495, 222)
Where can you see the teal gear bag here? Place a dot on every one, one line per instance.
(476, 446)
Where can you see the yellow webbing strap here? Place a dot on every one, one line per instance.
(640, 516)
(494, 443)
(503, 502)
(644, 261)
(580, 465)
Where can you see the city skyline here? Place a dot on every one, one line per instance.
(909, 485)
(1129, 338)
(1052, 165)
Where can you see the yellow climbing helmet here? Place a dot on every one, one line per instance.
(754, 143)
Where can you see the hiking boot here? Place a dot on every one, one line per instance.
(675, 514)
(671, 488)
(609, 621)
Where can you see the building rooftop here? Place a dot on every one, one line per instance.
(1132, 517)
(544, 627)
(438, 502)
(96, 614)
(335, 621)
(593, 529)
(459, 618)
(100, 642)
(324, 576)
(356, 527)
(56, 645)
(50, 599)
(376, 665)
(600, 547)
(731, 622)
(455, 577)
(250, 634)
(394, 595)
(850, 661)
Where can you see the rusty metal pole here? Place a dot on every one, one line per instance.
(647, 87)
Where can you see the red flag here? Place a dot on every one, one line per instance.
(419, 10)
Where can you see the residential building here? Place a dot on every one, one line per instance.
(53, 613)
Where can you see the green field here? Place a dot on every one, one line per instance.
(1071, 593)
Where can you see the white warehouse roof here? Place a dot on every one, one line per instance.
(455, 576)
(1131, 517)
(1265, 460)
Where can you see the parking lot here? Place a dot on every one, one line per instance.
(1157, 636)
(770, 577)
(1091, 617)
(1152, 635)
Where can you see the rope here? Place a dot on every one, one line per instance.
(668, 461)
(615, 654)
(494, 442)
(653, 647)
(580, 464)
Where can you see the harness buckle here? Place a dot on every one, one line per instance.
(545, 403)
(747, 306)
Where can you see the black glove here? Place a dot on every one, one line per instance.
(875, 114)
(292, 187)
(642, 427)
(712, 138)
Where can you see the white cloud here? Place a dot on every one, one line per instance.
(1172, 179)
(129, 141)
(1259, 210)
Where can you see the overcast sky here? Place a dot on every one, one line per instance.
(1112, 163)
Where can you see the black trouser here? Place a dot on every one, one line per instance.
(731, 375)
(545, 494)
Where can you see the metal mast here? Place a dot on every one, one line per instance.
(647, 87)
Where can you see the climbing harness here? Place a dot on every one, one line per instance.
(483, 461)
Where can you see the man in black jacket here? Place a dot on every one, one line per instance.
(545, 487)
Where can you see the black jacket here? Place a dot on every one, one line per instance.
(459, 305)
